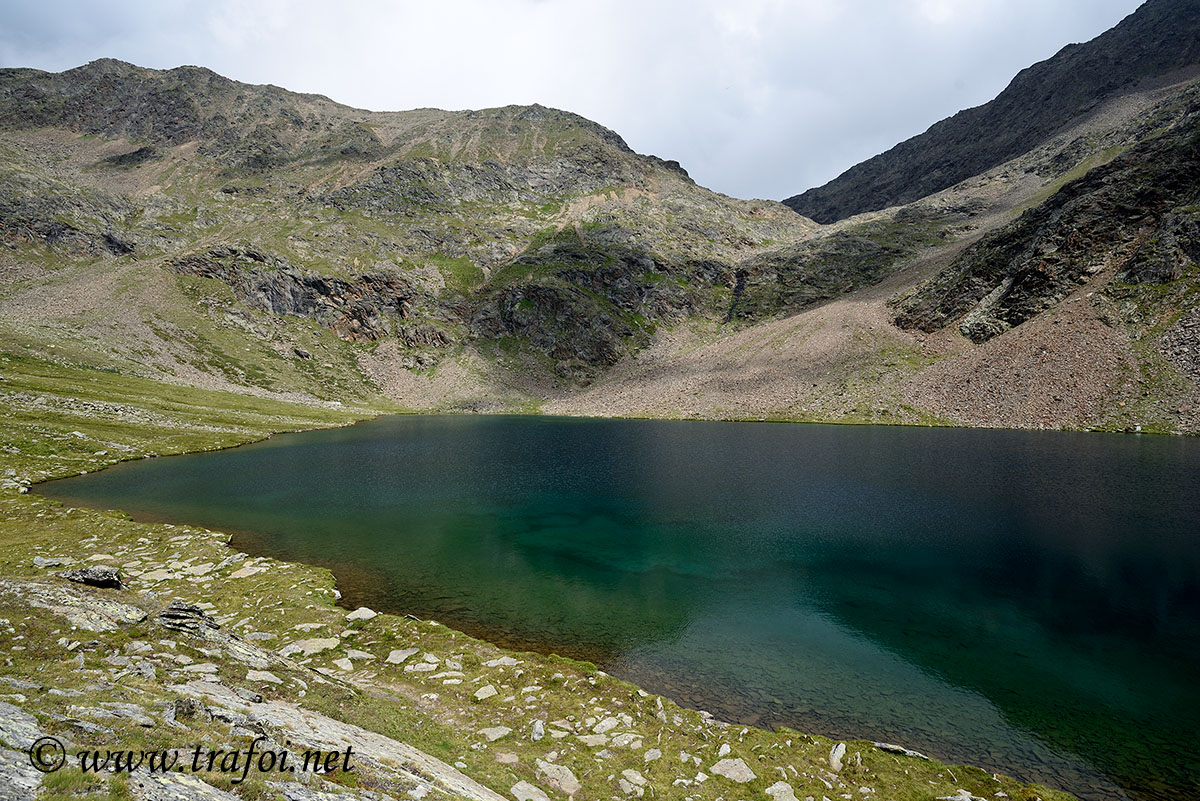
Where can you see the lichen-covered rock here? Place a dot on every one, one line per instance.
(80, 609)
(734, 769)
(97, 576)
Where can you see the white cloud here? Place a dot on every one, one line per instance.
(755, 97)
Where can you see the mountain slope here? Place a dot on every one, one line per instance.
(523, 258)
(525, 228)
(1155, 44)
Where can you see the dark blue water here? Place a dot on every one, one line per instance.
(1025, 601)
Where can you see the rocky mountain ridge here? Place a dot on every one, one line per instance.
(1157, 44)
(187, 228)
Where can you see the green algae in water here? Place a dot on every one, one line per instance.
(1025, 601)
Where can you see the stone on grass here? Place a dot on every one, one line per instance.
(652, 755)
(538, 731)
(892, 748)
(559, 777)
(524, 791)
(263, 675)
(494, 733)
(202, 667)
(503, 661)
(362, 613)
(485, 692)
(399, 655)
(593, 740)
(634, 776)
(344, 664)
(606, 725)
(734, 769)
(835, 757)
(781, 791)
(98, 576)
(310, 647)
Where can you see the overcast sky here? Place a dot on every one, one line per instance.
(756, 98)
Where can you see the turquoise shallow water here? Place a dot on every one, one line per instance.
(1025, 601)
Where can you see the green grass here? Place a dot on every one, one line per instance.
(460, 273)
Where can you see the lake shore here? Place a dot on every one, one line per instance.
(434, 713)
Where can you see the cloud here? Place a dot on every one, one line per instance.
(756, 98)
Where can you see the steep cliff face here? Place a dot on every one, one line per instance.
(1136, 218)
(1159, 42)
(360, 308)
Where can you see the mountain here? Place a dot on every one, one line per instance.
(427, 227)
(186, 228)
(1156, 45)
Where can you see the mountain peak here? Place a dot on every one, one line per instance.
(1157, 44)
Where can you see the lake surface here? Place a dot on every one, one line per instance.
(1024, 601)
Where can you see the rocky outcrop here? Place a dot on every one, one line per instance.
(81, 609)
(790, 279)
(310, 729)
(587, 296)
(1135, 215)
(37, 208)
(98, 576)
(563, 321)
(361, 308)
(416, 185)
(1157, 43)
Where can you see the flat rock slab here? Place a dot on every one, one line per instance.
(310, 647)
(524, 791)
(495, 733)
(559, 777)
(313, 730)
(18, 728)
(88, 612)
(324, 791)
(400, 654)
(21, 779)
(147, 786)
(734, 769)
(263, 675)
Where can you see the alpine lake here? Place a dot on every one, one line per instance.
(1028, 602)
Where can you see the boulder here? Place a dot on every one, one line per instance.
(98, 576)
(734, 769)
